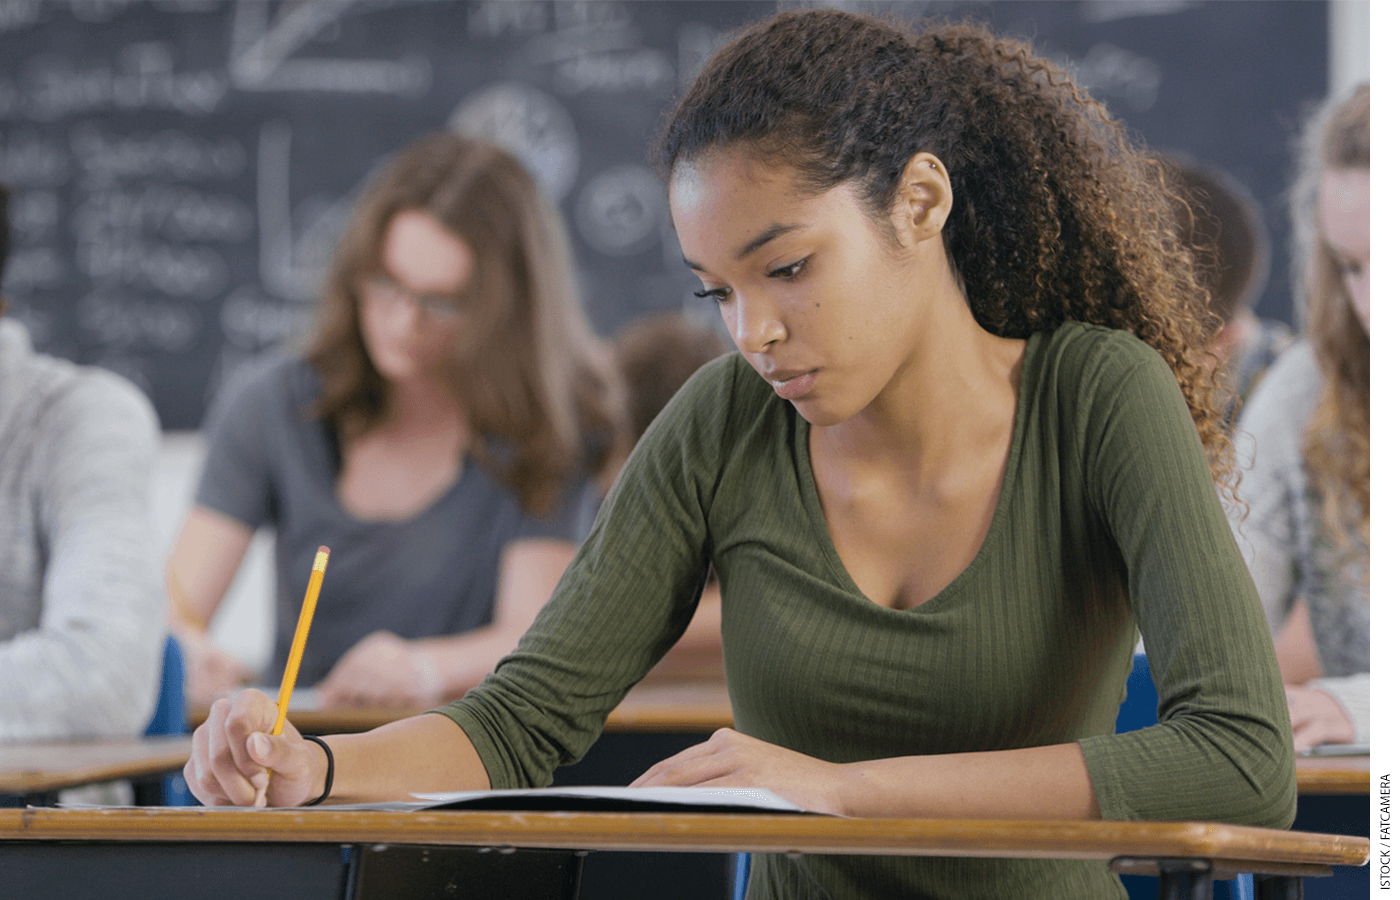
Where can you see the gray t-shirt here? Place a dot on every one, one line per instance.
(271, 462)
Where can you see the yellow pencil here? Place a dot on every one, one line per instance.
(308, 609)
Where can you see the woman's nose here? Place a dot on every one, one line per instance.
(757, 326)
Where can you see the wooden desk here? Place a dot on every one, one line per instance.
(37, 772)
(1334, 775)
(682, 706)
(1204, 850)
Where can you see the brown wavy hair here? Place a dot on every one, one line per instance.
(538, 390)
(1056, 215)
(1337, 443)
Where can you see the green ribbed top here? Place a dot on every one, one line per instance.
(1108, 521)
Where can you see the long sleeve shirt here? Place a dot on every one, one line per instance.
(82, 613)
(1107, 521)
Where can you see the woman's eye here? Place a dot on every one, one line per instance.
(719, 295)
(787, 273)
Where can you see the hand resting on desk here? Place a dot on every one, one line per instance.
(383, 669)
(731, 759)
(210, 671)
(1317, 718)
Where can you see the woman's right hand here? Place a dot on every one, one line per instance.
(210, 671)
(236, 761)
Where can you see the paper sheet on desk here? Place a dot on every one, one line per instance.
(615, 799)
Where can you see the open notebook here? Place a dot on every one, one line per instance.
(600, 799)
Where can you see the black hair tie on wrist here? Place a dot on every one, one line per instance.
(330, 768)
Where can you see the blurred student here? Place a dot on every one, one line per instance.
(1222, 224)
(436, 433)
(81, 613)
(1307, 533)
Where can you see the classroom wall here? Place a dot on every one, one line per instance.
(181, 167)
(1349, 47)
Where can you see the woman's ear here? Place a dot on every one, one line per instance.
(925, 196)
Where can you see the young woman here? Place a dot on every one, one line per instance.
(436, 434)
(957, 459)
(1307, 534)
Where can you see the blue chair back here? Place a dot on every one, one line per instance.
(169, 718)
(741, 875)
(1139, 709)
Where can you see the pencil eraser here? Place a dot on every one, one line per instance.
(323, 549)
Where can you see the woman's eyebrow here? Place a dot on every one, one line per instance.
(772, 232)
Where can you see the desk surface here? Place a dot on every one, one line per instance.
(1251, 849)
(42, 768)
(35, 768)
(698, 706)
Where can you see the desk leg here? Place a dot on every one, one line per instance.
(1278, 887)
(1184, 879)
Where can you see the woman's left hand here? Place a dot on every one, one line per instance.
(731, 759)
(1317, 718)
(383, 669)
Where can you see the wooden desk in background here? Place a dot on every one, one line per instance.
(682, 706)
(111, 853)
(1334, 775)
(37, 772)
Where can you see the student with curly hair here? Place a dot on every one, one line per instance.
(437, 433)
(1307, 481)
(955, 465)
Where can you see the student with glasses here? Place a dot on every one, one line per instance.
(437, 431)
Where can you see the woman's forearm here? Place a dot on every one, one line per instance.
(1032, 783)
(421, 754)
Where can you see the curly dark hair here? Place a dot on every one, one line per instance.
(1056, 216)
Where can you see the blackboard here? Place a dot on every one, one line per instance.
(181, 168)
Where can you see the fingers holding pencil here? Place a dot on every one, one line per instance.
(246, 753)
(237, 761)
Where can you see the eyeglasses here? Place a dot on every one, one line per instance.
(383, 289)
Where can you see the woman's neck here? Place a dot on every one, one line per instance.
(421, 407)
(955, 397)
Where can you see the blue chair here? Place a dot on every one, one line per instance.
(1139, 709)
(168, 719)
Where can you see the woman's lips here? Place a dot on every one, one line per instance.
(791, 386)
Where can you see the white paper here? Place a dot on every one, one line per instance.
(757, 799)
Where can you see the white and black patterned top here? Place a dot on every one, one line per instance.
(1288, 552)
